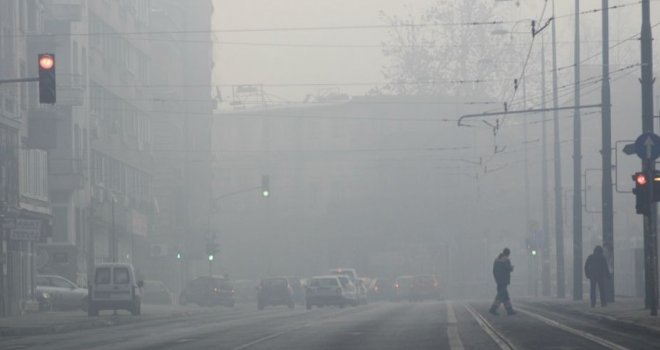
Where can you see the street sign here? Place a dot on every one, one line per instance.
(26, 230)
(629, 149)
(647, 146)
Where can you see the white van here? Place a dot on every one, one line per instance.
(115, 287)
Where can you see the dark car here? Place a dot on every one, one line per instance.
(425, 287)
(208, 291)
(155, 292)
(403, 288)
(382, 290)
(274, 291)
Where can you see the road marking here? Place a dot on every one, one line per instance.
(596, 339)
(260, 340)
(497, 337)
(452, 329)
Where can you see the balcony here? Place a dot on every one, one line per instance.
(65, 10)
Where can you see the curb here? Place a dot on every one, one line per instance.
(609, 320)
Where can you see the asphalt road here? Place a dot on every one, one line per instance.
(426, 325)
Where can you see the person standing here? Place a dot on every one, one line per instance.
(597, 271)
(502, 269)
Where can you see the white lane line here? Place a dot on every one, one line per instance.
(497, 337)
(452, 329)
(596, 339)
(260, 340)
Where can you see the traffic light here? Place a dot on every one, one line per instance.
(265, 186)
(534, 252)
(643, 183)
(47, 78)
(211, 257)
(179, 256)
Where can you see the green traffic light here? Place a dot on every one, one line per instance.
(265, 193)
(210, 257)
(534, 252)
(178, 256)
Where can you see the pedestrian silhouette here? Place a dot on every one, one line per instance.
(502, 269)
(598, 272)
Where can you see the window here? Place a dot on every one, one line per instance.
(102, 275)
(121, 275)
(61, 283)
(43, 281)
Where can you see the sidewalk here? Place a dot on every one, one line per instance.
(65, 321)
(626, 312)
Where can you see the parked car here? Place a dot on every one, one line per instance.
(350, 291)
(58, 293)
(382, 289)
(403, 288)
(155, 292)
(208, 291)
(274, 291)
(425, 287)
(115, 287)
(327, 290)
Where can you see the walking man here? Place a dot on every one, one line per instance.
(597, 271)
(502, 269)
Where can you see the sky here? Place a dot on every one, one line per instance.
(240, 63)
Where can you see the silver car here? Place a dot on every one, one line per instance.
(58, 293)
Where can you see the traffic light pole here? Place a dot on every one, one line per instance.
(650, 220)
(577, 167)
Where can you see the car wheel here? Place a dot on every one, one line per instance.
(308, 306)
(85, 305)
(341, 305)
(183, 300)
(292, 305)
(260, 306)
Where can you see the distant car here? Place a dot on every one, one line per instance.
(208, 291)
(350, 291)
(327, 290)
(298, 289)
(58, 293)
(403, 288)
(382, 289)
(425, 287)
(115, 287)
(347, 271)
(274, 291)
(155, 292)
(362, 291)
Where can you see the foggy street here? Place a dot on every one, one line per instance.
(424, 325)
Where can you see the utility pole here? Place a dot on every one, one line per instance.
(606, 151)
(650, 221)
(559, 219)
(545, 251)
(530, 279)
(577, 169)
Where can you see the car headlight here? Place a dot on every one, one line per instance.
(43, 296)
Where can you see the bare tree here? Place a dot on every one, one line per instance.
(450, 49)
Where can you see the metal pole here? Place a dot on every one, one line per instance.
(577, 169)
(607, 195)
(91, 260)
(113, 234)
(559, 219)
(545, 251)
(650, 228)
(530, 288)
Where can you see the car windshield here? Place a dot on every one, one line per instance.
(61, 283)
(121, 275)
(102, 275)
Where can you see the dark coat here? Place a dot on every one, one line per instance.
(596, 268)
(502, 270)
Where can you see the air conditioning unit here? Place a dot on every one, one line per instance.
(157, 250)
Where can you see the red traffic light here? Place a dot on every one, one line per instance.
(641, 179)
(46, 61)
